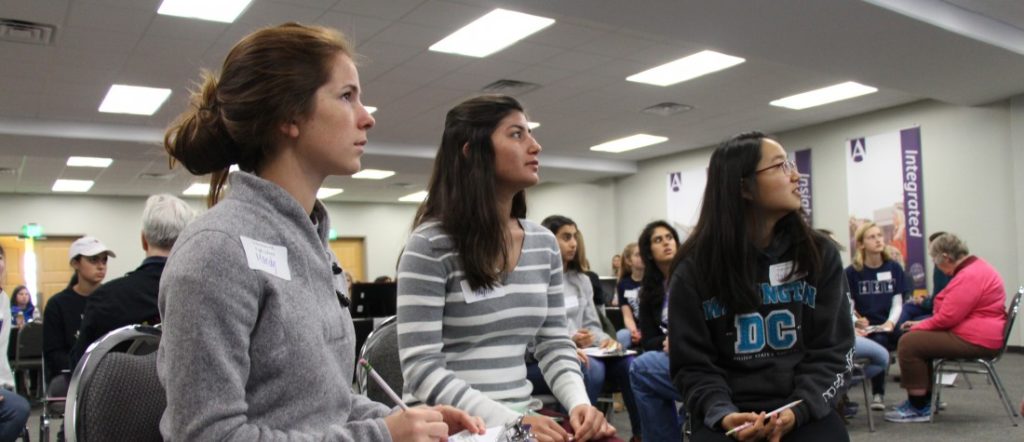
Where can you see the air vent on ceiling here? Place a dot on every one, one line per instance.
(8, 171)
(157, 176)
(18, 31)
(510, 87)
(667, 109)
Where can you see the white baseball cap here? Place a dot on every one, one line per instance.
(88, 246)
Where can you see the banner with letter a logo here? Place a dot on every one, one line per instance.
(883, 182)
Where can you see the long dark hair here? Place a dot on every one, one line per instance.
(554, 223)
(652, 287)
(462, 188)
(724, 255)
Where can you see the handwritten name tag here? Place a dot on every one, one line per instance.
(265, 257)
(481, 294)
(883, 276)
(778, 274)
(571, 302)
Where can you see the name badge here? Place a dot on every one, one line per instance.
(571, 302)
(481, 294)
(884, 276)
(778, 274)
(269, 258)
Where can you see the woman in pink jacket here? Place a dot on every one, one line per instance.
(968, 321)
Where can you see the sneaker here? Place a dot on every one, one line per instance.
(850, 409)
(878, 403)
(908, 413)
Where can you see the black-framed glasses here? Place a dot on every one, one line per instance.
(787, 166)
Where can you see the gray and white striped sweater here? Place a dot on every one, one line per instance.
(471, 354)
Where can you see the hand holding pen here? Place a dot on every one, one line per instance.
(756, 426)
(421, 423)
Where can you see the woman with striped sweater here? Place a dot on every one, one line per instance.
(477, 281)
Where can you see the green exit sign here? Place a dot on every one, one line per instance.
(31, 230)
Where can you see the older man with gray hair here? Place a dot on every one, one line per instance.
(132, 299)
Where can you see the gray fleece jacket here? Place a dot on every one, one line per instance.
(256, 346)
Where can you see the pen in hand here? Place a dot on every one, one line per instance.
(773, 413)
(383, 385)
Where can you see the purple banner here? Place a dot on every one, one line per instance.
(803, 164)
(913, 205)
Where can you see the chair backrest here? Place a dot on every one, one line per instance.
(381, 351)
(30, 342)
(1011, 316)
(116, 395)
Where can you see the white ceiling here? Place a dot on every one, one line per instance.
(49, 94)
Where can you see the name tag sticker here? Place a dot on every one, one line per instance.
(571, 302)
(884, 276)
(778, 273)
(480, 295)
(265, 257)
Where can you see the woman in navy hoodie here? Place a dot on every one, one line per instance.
(758, 306)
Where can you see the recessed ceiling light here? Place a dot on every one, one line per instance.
(533, 124)
(417, 197)
(370, 109)
(686, 68)
(327, 192)
(135, 100)
(825, 95)
(89, 162)
(373, 174)
(72, 185)
(491, 33)
(200, 189)
(224, 11)
(629, 143)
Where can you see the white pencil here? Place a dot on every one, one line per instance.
(383, 385)
(773, 413)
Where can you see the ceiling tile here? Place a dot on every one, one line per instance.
(390, 10)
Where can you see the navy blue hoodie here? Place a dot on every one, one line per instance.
(797, 345)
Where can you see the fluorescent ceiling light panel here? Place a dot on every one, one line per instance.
(370, 109)
(491, 33)
(686, 68)
(198, 189)
(72, 185)
(224, 11)
(629, 143)
(373, 174)
(135, 100)
(532, 124)
(327, 192)
(825, 95)
(89, 162)
(417, 197)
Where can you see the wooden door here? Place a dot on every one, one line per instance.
(54, 267)
(14, 253)
(352, 255)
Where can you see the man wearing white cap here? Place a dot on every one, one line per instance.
(63, 314)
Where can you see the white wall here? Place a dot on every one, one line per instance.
(384, 227)
(591, 206)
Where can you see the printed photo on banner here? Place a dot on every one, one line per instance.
(802, 159)
(883, 176)
(685, 192)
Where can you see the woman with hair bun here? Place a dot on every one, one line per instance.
(256, 342)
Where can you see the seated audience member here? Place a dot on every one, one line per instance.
(383, 279)
(132, 299)
(877, 289)
(649, 374)
(477, 282)
(22, 309)
(616, 264)
(918, 308)
(14, 409)
(256, 345)
(759, 315)
(627, 295)
(63, 313)
(967, 322)
(584, 325)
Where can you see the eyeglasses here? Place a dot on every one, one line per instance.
(788, 167)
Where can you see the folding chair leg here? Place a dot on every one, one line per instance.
(1003, 396)
(867, 403)
(936, 390)
(967, 379)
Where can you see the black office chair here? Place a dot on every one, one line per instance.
(381, 351)
(987, 365)
(858, 375)
(116, 395)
